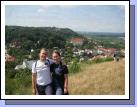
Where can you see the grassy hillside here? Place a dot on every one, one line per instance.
(99, 79)
(94, 79)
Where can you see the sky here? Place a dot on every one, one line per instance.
(91, 18)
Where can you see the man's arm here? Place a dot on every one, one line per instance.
(34, 83)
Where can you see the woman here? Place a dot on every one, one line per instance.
(41, 75)
(59, 75)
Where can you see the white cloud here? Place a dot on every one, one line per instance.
(40, 10)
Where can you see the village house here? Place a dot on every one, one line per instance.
(76, 41)
(106, 51)
(9, 58)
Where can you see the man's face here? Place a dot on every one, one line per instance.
(43, 55)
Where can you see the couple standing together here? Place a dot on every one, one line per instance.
(49, 77)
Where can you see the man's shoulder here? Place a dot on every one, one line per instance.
(50, 60)
(34, 63)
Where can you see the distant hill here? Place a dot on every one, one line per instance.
(45, 36)
(102, 34)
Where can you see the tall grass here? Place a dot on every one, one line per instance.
(106, 78)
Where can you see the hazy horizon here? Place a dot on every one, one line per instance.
(90, 18)
(67, 28)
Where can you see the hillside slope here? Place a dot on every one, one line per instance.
(106, 78)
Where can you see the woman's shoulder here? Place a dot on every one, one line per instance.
(65, 69)
(64, 66)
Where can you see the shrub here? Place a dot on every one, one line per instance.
(23, 77)
(99, 60)
(107, 59)
(74, 67)
(10, 64)
(76, 60)
(88, 62)
(18, 84)
(10, 86)
(10, 73)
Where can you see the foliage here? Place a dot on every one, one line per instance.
(37, 37)
(17, 81)
(99, 60)
(10, 86)
(34, 55)
(10, 73)
(68, 55)
(107, 59)
(88, 62)
(23, 77)
(75, 60)
(69, 45)
(11, 64)
(74, 67)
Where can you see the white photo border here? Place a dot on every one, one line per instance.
(125, 3)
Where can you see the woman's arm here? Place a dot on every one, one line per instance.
(34, 83)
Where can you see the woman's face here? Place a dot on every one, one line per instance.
(43, 55)
(56, 58)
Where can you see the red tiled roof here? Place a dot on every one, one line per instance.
(107, 49)
(76, 40)
(9, 58)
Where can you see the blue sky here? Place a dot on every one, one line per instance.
(94, 18)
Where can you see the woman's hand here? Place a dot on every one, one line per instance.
(33, 91)
(65, 90)
(66, 84)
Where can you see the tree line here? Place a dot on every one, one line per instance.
(36, 37)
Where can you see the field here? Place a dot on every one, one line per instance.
(106, 78)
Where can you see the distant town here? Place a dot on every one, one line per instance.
(75, 46)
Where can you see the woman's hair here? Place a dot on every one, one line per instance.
(57, 52)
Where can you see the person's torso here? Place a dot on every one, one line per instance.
(43, 73)
(58, 75)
